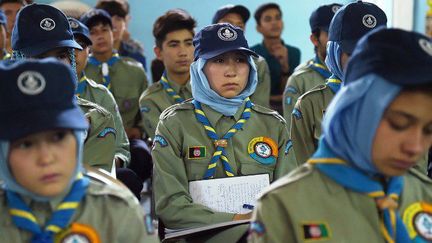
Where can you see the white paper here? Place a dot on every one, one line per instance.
(228, 194)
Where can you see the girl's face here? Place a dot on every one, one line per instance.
(228, 73)
(404, 133)
(44, 162)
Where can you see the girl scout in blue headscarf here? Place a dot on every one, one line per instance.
(359, 186)
(44, 196)
(220, 133)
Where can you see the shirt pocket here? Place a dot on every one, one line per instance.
(196, 168)
(248, 168)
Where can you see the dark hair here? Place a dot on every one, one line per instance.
(260, 10)
(422, 88)
(157, 68)
(172, 20)
(96, 21)
(22, 2)
(114, 8)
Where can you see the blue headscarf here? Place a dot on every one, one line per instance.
(333, 62)
(11, 184)
(353, 116)
(202, 92)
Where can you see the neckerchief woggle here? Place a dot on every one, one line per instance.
(23, 217)
(82, 84)
(344, 174)
(170, 91)
(334, 83)
(220, 143)
(104, 66)
(319, 67)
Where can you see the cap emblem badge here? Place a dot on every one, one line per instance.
(426, 46)
(31, 83)
(369, 21)
(47, 24)
(227, 34)
(335, 8)
(73, 24)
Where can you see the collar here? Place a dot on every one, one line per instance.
(177, 87)
(214, 116)
(53, 203)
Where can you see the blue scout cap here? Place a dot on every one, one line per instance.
(354, 20)
(398, 56)
(37, 95)
(320, 18)
(40, 28)
(230, 8)
(80, 29)
(3, 19)
(217, 39)
(96, 14)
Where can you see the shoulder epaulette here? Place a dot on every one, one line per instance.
(267, 111)
(90, 105)
(314, 90)
(420, 175)
(185, 105)
(155, 87)
(99, 188)
(132, 62)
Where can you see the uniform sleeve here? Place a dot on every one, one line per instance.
(261, 95)
(150, 116)
(290, 97)
(143, 86)
(283, 164)
(302, 130)
(122, 142)
(270, 223)
(174, 205)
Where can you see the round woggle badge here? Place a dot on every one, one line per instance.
(78, 233)
(418, 220)
(263, 149)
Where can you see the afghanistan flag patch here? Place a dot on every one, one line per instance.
(197, 152)
(315, 231)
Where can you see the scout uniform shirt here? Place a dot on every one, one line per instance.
(159, 97)
(99, 94)
(182, 151)
(126, 79)
(308, 206)
(107, 213)
(100, 143)
(304, 78)
(261, 96)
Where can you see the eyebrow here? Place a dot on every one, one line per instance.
(402, 113)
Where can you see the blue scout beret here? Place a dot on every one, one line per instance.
(230, 8)
(399, 56)
(3, 19)
(37, 95)
(217, 39)
(40, 28)
(79, 28)
(354, 20)
(96, 14)
(320, 18)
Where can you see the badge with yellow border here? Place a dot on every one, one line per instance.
(418, 221)
(78, 233)
(263, 149)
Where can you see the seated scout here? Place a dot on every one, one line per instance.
(360, 186)
(44, 196)
(220, 133)
(43, 31)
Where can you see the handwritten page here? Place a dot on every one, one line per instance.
(228, 194)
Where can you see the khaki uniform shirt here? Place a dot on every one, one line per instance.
(176, 163)
(261, 96)
(113, 213)
(128, 82)
(301, 81)
(293, 206)
(155, 100)
(100, 95)
(100, 143)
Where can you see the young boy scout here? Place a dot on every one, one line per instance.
(314, 72)
(238, 15)
(173, 32)
(219, 133)
(361, 176)
(97, 93)
(349, 24)
(41, 31)
(44, 196)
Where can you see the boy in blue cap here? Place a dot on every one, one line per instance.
(44, 194)
(314, 72)
(220, 133)
(349, 24)
(376, 128)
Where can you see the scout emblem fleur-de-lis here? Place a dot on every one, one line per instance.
(47, 24)
(228, 34)
(31, 83)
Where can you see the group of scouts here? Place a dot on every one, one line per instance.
(347, 163)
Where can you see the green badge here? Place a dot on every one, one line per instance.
(197, 152)
(315, 231)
